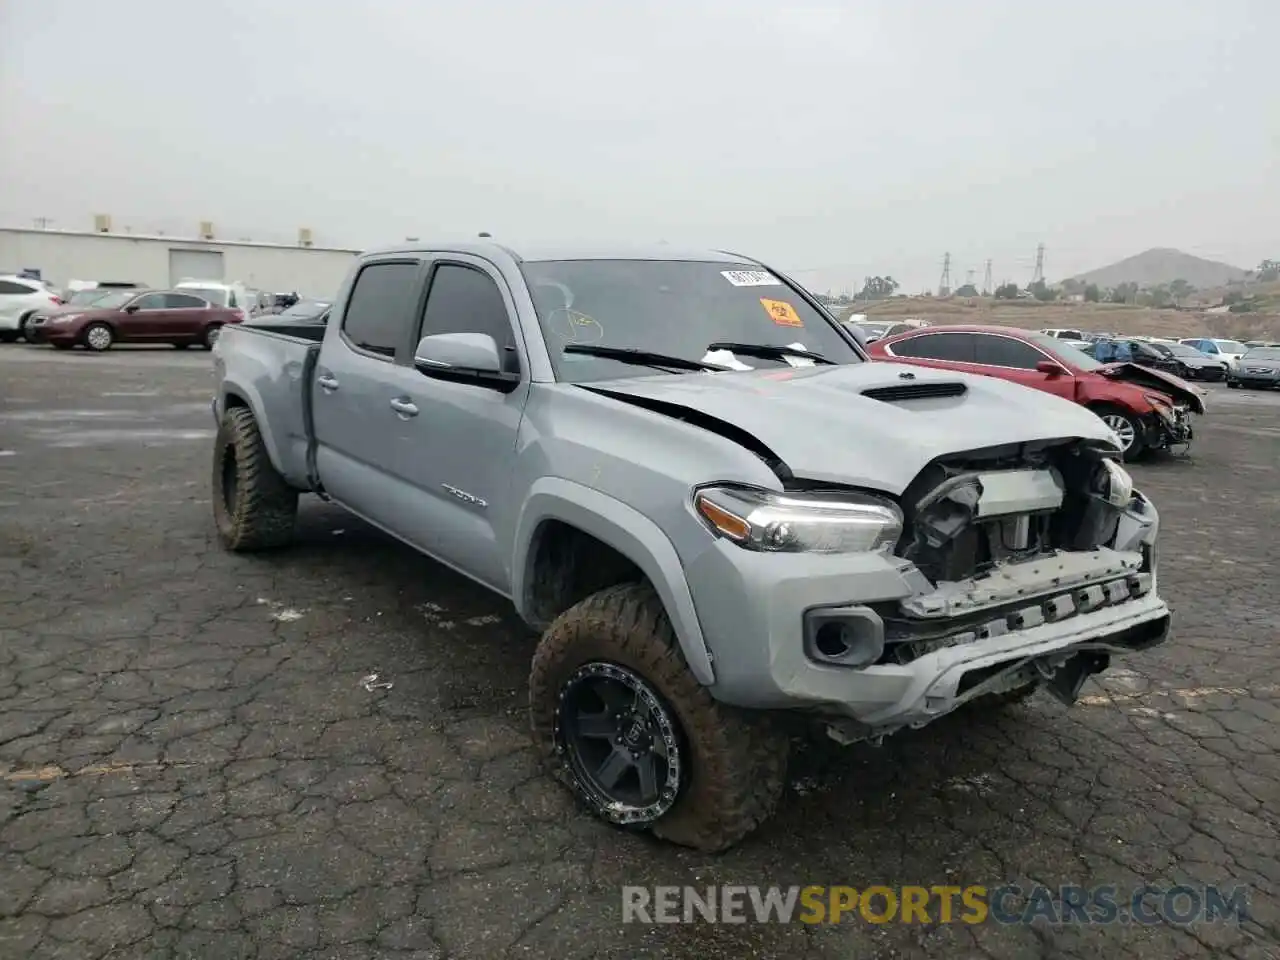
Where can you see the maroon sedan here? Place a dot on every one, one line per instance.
(134, 316)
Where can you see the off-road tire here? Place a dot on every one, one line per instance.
(263, 508)
(210, 335)
(1138, 449)
(735, 761)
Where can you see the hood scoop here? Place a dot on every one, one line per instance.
(915, 391)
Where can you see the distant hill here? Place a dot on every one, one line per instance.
(1162, 265)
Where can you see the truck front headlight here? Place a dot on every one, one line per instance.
(825, 522)
(1114, 484)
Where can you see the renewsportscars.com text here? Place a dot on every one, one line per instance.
(1007, 904)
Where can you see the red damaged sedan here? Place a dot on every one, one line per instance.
(1148, 409)
(134, 316)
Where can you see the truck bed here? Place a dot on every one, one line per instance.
(271, 371)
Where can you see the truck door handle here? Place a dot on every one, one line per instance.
(404, 408)
(327, 383)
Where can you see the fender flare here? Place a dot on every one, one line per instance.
(629, 532)
(249, 397)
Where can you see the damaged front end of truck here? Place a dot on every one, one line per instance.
(1031, 566)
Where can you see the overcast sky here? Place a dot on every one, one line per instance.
(834, 139)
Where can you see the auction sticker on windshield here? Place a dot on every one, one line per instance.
(751, 278)
(781, 313)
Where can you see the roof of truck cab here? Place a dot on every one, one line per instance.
(534, 252)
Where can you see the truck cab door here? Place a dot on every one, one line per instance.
(352, 382)
(456, 435)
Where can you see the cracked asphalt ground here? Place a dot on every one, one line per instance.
(191, 765)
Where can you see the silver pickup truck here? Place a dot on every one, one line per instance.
(722, 518)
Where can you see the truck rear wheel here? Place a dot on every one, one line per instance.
(621, 719)
(253, 507)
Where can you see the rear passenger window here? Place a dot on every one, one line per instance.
(1006, 352)
(183, 301)
(957, 347)
(8, 286)
(466, 300)
(381, 306)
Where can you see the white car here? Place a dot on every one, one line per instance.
(1072, 338)
(20, 298)
(873, 330)
(1229, 350)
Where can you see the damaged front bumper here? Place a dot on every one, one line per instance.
(870, 645)
(1169, 427)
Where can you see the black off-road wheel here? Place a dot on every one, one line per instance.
(253, 507)
(620, 718)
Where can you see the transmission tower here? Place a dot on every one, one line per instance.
(986, 281)
(944, 285)
(1038, 277)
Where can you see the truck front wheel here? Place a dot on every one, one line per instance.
(622, 720)
(253, 507)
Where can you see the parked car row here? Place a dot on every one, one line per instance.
(97, 314)
(1147, 408)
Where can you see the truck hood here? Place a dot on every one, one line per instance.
(822, 425)
(1158, 380)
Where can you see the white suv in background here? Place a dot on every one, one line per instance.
(1229, 351)
(20, 297)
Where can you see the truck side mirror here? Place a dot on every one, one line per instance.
(460, 356)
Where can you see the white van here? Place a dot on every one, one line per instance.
(234, 295)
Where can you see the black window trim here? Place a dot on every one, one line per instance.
(1005, 336)
(508, 302)
(417, 262)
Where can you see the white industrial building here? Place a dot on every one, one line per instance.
(159, 261)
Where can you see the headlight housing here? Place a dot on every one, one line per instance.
(64, 318)
(821, 522)
(1114, 484)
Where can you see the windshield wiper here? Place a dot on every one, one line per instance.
(644, 358)
(768, 351)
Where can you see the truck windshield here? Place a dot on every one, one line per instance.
(677, 308)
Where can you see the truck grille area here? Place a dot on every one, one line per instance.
(908, 639)
(972, 513)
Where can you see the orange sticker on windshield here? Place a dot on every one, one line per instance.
(781, 313)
